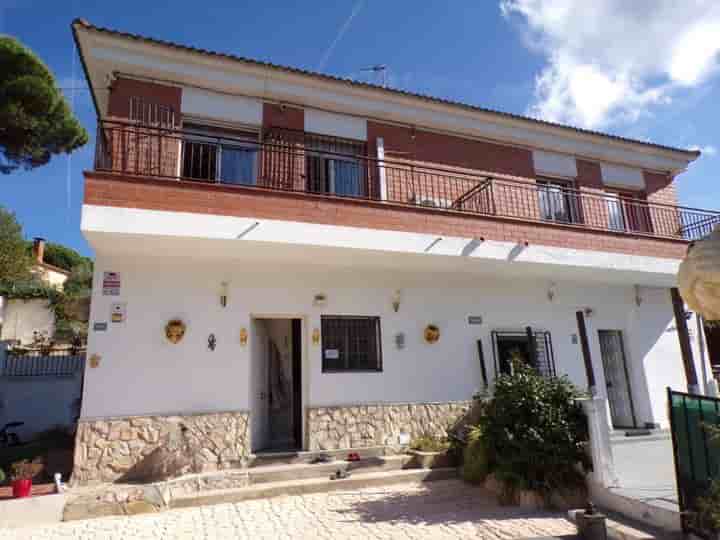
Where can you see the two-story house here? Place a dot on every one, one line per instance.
(290, 260)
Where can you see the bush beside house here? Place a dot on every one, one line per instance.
(530, 438)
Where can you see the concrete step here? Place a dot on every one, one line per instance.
(260, 459)
(313, 485)
(631, 436)
(280, 473)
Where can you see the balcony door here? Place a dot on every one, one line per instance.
(334, 175)
(628, 211)
(213, 155)
(558, 201)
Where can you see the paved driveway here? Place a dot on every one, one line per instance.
(646, 470)
(438, 510)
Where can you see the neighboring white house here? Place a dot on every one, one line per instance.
(290, 260)
(24, 321)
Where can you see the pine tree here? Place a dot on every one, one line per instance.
(35, 120)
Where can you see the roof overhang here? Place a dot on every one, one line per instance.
(107, 54)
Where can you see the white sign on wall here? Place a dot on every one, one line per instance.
(111, 284)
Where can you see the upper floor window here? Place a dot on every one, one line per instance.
(628, 211)
(213, 155)
(151, 114)
(334, 168)
(351, 343)
(559, 201)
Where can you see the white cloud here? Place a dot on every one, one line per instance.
(610, 61)
(707, 150)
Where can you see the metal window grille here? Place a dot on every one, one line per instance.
(538, 354)
(351, 343)
(151, 114)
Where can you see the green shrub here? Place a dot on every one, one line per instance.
(708, 516)
(475, 464)
(533, 430)
(430, 443)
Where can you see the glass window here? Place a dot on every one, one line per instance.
(214, 155)
(238, 165)
(558, 201)
(351, 343)
(510, 347)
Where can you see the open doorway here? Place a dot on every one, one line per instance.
(275, 385)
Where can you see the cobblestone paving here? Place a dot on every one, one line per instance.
(438, 510)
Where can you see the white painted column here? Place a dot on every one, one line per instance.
(381, 168)
(600, 447)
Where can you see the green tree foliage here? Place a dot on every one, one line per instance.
(62, 256)
(534, 430)
(35, 120)
(14, 258)
(79, 284)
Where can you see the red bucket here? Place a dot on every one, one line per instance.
(22, 488)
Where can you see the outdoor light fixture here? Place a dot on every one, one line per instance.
(638, 296)
(551, 291)
(223, 293)
(316, 336)
(396, 300)
(243, 336)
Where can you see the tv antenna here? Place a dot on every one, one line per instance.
(380, 69)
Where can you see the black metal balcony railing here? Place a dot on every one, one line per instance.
(315, 166)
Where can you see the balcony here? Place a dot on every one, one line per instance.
(331, 168)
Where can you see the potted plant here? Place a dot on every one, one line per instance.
(21, 475)
(430, 452)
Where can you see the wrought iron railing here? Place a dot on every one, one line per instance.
(332, 169)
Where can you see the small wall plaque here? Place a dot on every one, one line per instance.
(100, 326)
(475, 319)
(332, 354)
(118, 311)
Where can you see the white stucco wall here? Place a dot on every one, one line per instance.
(141, 373)
(23, 317)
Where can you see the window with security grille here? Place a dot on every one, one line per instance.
(351, 343)
(533, 348)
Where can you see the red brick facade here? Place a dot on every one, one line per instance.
(122, 90)
(429, 168)
(449, 151)
(281, 116)
(112, 190)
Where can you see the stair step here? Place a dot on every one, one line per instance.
(299, 471)
(314, 485)
(294, 457)
(639, 435)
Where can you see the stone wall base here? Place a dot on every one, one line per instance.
(111, 449)
(359, 426)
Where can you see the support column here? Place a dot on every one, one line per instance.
(600, 445)
(684, 339)
(585, 344)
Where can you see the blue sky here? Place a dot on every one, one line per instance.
(646, 69)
